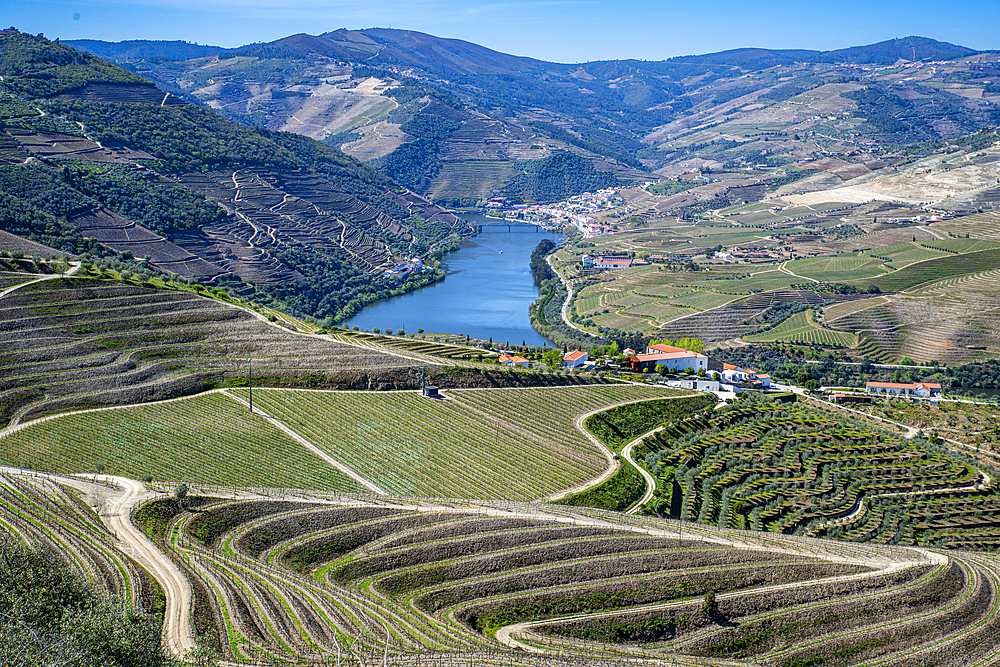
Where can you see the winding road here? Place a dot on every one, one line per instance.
(569, 300)
(178, 636)
(650, 480)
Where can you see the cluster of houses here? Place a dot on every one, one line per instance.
(574, 211)
(513, 360)
(924, 218)
(605, 262)
(402, 270)
(705, 376)
(735, 375)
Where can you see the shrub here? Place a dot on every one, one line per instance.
(52, 613)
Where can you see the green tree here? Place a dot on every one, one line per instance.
(692, 344)
(180, 493)
(710, 607)
(553, 358)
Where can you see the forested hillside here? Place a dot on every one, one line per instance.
(95, 161)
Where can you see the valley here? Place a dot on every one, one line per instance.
(211, 457)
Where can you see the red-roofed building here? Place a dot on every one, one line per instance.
(922, 389)
(513, 360)
(674, 358)
(613, 262)
(575, 359)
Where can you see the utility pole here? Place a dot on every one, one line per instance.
(250, 366)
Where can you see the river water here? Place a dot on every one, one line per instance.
(486, 291)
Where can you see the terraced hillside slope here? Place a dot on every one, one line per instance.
(282, 574)
(437, 113)
(308, 577)
(514, 444)
(276, 216)
(794, 469)
(71, 343)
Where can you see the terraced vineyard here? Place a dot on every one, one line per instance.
(936, 269)
(307, 576)
(76, 343)
(457, 353)
(799, 328)
(936, 320)
(792, 469)
(284, 580)
(516, 444)
(205, 439)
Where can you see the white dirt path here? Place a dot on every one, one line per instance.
(178, 637)
(569, 300)
(73, 269)
(374, 488)
(785, 269)
(649, 479)
(613, 463)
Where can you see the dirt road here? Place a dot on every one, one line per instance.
(178, 637)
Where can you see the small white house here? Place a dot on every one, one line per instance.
(513, 360)
(735, 375)
(697, 384)
(575, 359)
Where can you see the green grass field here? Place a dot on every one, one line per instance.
(936, 269)
(206, 439)
(489, 444)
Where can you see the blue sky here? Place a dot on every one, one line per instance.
(556, 30)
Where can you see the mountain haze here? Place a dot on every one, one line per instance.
(455, 121)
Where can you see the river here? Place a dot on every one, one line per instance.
(486, 291)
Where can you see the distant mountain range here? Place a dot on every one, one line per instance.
(408, 48)
(458, 122)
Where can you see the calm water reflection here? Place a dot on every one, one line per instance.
(486, 293)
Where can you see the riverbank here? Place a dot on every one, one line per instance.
(486, 292)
